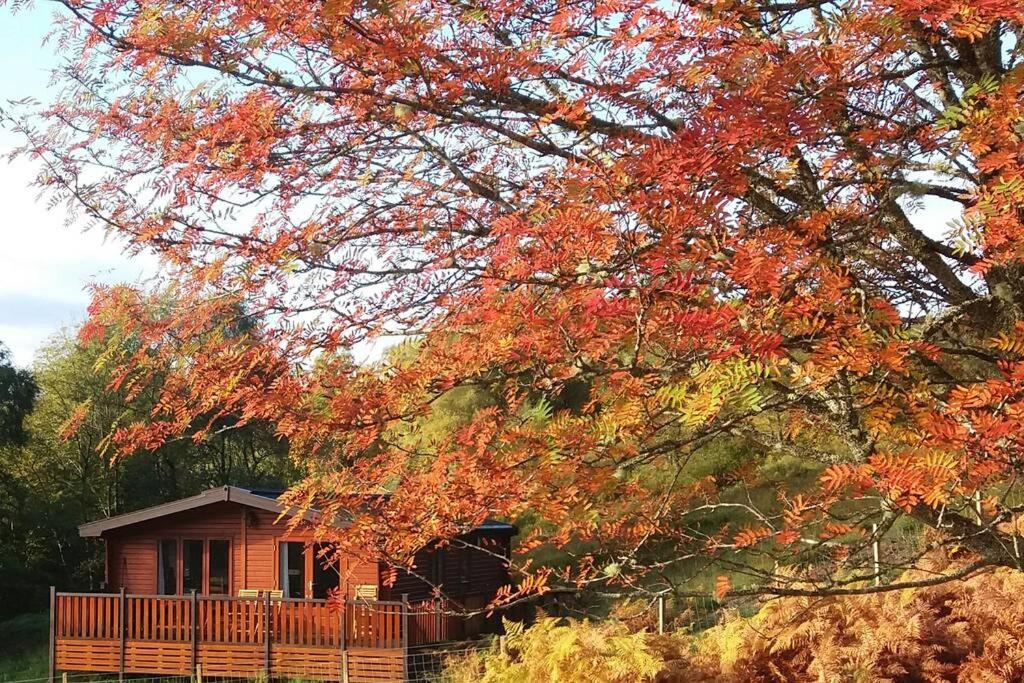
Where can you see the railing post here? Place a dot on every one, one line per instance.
(405, 636)
(194, 612)
(123, 611)
(53, 634)
(266, 633)
(343, 615)
(661, 614)
(344, 624)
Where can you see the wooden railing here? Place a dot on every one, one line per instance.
(372, 624)
(239, 637)
(375, 624)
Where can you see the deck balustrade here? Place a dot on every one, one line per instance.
(354, 641)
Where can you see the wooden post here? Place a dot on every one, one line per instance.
(343, 615)
(266, 633)
(344, 624)
(121, 636)
(876, 552)
(53, 634)
(439, 624)
(199, 674)
(1016, 543)
(194, 612)
(405, 636)
(661, 614)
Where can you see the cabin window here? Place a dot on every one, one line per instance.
(220, 552)
(167, 567)
(293, 568)
(192, 565)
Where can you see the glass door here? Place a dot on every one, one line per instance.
(293, 568)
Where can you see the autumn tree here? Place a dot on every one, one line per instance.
(698, 220)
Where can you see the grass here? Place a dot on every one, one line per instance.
(23, 647)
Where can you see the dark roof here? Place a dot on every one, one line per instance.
(262, 499)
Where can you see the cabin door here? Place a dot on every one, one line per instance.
(303, 573)
(293, 568)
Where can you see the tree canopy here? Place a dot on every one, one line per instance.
(17, 395)
(637, 228)
(65, 471)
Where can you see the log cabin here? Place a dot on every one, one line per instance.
(221, 583)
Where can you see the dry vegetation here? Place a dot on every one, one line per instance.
(968, 631)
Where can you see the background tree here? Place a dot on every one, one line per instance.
(699, 217)
(66, 470)
(17, 394)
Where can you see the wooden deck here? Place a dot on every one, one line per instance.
(356, 642)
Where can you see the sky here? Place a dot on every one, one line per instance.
(45, 265)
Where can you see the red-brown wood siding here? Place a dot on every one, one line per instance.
(254, 563)
(466, 572)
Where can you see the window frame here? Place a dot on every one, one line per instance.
(160, 579)
(202, 564)
(206, 567)
(179, 565)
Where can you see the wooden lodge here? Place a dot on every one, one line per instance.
(217, 584)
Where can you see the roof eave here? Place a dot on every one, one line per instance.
(223, 494)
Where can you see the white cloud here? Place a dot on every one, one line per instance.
(46, 266)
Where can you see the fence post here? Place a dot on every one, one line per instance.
(876, 551)
(266, 633)
(1016, 536)
(194, 613)
(405, 636)
(440, 624)
(344, 624)
(122, 608)
(344, 666)
(53, 634)
(661, 614)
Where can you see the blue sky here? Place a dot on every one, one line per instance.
(45, 265)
